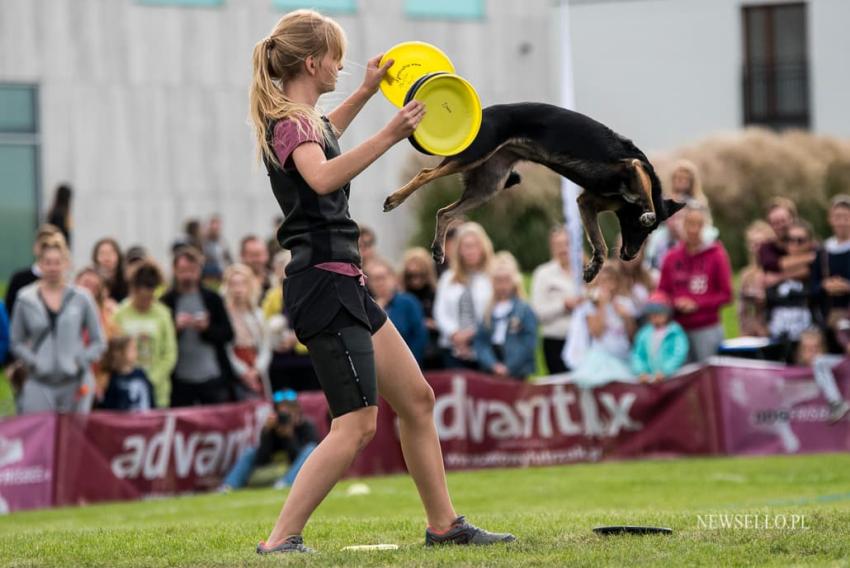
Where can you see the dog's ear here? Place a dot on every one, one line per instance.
(671, 206)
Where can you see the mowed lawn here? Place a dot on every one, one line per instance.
(551, 510)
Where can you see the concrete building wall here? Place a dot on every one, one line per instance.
(668, 72)
(144, 109)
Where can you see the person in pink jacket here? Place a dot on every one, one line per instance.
(698, 278)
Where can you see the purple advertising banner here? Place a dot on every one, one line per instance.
(773, 409)
(731, 407)
(27, 446)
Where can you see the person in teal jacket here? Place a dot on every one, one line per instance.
(661, 346)
(506, 340)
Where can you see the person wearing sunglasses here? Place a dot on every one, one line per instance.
(789, 301)
(287, 430)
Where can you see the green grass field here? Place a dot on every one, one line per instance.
(551, 510)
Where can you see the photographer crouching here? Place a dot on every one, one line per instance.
(286, 429)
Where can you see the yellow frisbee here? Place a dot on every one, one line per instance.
(452, 114)
(413, 59)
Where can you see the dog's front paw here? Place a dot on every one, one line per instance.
(592, 269)
(391, 203)
(437, 253)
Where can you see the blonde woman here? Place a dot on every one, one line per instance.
(354, 349)
(463, 294)
(50, 320)
(506, 339)
(250, 351)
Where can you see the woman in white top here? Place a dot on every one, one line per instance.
(463, 294)
(250, 351)
(554, 296)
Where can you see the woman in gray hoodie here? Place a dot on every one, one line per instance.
(56, 333)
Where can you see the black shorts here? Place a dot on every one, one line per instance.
(335, 317)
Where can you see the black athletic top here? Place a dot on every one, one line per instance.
(316, 228)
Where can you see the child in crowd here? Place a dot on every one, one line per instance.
(506, 339)
(129, 387)
(661, 346)
(811, 351)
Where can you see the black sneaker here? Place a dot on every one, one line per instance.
(464, 533)
(293, 543)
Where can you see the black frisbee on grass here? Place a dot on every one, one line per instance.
(626, 529)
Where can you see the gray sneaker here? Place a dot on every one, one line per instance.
(837, 411)
(293, 543)
(464, 533)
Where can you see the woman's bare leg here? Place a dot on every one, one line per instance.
(402, 385)
(325, 466)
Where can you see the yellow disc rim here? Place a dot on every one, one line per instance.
(452, 115)
(413, 59)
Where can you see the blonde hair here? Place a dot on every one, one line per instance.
(279, 58)
(504, 261)
(240, 269)
(52, 242)
(423, 259)
(460, 272)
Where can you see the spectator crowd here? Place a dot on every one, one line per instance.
(120, 336)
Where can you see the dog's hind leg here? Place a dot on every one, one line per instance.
(446, 167)
(589, 209)
(480, 185)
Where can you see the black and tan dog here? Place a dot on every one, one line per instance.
(613, 173)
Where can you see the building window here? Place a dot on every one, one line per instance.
(776, 67)
(197, 3)
(20, 174)
(324, 6)
(445, 9)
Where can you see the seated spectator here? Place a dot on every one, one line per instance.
(599, 340)
(463, 294)
(419, 278)
(254, 253)
(202, 374)
(49, 323)
(554, 296)
(752, 315)
(250, 351)
(149, 323)
(4, 333)
(506, 339)
(290, 366)
(789, 301)
(811, 352)
(698, 278)
(30, 274)
(286, 429)
(108, 262)
(831, 276)
(781, 213)
(660, 346)
(128, 387)
(402, 308)
(216, 252)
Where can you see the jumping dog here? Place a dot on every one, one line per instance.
(613, 173)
